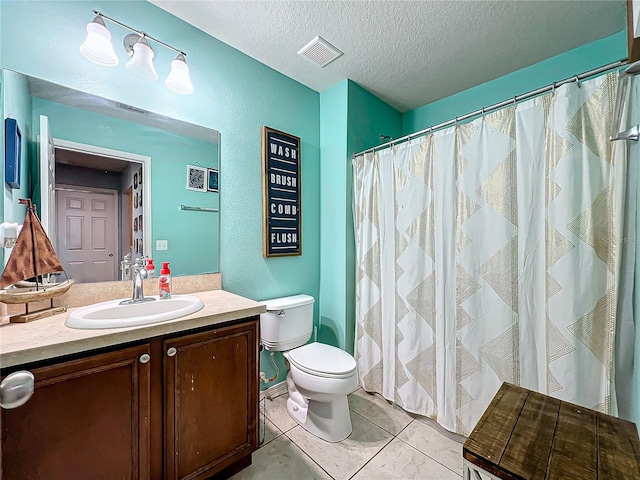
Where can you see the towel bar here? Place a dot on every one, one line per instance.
(198, 209)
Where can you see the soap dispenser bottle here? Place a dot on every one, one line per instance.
(164, 282)
(151, 268)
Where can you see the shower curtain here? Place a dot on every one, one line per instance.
(489, 252)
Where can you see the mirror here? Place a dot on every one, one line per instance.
(118, 180)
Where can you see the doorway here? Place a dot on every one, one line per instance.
(100, 209)
(87, 227)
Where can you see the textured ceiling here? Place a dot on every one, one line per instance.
(409, 53)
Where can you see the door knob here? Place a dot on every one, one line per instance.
(16, 389)
(111, 254)
(144, 358)
(172, 351)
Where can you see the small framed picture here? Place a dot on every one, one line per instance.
(140, 198)
(196, 178)
(212, 184)
(140, 175)
(135, 200)
(135, 181)
(140, 222)
(135, 224)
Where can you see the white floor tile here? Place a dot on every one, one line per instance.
(276, 412)
(377, 410)
(271, 432)
(398, 460)
(434, 444)
(343, 459)
(281, 459)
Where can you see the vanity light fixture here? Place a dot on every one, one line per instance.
(178, 80)
(98, 48)
(141, 63)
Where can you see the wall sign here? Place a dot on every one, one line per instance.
(281, 193)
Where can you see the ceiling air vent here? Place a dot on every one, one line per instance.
(320, 52)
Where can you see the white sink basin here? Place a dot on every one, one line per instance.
(113, 315)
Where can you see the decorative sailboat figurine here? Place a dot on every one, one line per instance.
(32, 256)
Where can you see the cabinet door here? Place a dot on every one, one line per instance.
(211, 400)
(88, 419)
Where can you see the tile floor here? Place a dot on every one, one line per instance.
(386, 443)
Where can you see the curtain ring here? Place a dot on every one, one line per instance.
(577, 80)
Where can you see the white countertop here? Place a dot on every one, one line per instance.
(46, 338)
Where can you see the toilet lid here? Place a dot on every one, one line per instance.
(318, 358)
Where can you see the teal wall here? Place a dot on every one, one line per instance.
(237, 96)
(351, 119)
(170, 154)
(333, 217)
(576, 61)
(233, 94)
(369, 117)
(17, 105)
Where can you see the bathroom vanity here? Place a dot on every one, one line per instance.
(173, 400)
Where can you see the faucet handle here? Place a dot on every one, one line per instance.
(139, 263)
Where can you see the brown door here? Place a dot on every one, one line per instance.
(88, 419)
(211, 400)
(88, 234)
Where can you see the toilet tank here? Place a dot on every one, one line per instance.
(288, 322)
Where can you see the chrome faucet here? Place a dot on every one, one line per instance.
(139, 273)
(125, 267)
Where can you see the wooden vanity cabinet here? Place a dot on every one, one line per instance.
(88, 419)
(189, 412)
(211, 400)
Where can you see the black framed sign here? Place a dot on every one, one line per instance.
(281, 194)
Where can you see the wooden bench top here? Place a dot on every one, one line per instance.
(527, 435)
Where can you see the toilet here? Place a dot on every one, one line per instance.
(319, 376)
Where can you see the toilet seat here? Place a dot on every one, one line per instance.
(322, 360)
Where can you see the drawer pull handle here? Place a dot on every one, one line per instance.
(172, 351)
(16, 389)
(144, 358)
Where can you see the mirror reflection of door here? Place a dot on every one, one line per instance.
(94, 213)
(47, 180)
(87, 225)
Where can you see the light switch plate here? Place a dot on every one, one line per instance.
(162, 244)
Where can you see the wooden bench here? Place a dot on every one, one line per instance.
(527, 435)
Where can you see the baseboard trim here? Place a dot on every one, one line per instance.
(275, 390)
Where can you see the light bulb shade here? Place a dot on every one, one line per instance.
(141, 64)
(178, 80)
(97, 46)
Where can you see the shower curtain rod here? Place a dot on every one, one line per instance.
(496, 106)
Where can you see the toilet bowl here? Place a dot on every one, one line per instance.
(319, 379)
(319, 376)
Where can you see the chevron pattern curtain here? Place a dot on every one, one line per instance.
(489, 252)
